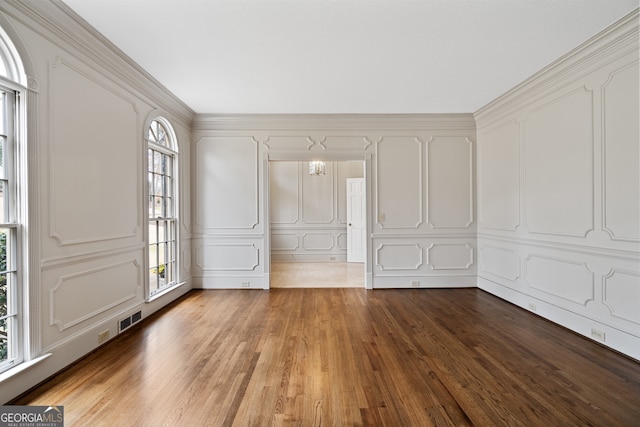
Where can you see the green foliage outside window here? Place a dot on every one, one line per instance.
(3, 297)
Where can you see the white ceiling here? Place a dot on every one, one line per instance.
(346, 56)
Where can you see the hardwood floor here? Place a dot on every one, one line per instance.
(346, 357)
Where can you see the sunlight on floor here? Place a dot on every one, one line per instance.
(317, 275)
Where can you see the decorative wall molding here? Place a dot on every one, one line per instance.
(621, 294)
(333, 122)
(317, 241)
(454, 256)
(399, 256)
(98, 294)
(567, 279)
(620, 214)
(127, 137)
(284, 241)
(499, 176)
(227, 257)
(465, 166)
(555, 152)
(418, 195)
(504, 263)
(224, 191)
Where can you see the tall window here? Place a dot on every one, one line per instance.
(13, 255)
(11, 327)
(162, 161)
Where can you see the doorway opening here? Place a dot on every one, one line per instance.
(317, 224)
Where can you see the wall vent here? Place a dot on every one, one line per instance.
(128, 321)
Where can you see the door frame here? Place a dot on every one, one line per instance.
(327, 157)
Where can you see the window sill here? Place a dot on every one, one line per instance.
(165, 291)
(22, 367)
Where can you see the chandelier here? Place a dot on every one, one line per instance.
(316, 168)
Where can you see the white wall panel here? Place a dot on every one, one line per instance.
(281, 241)
(284, 187)
(499, 177)
(317, 241)
(98, 289)
(450, 256)
(558, 174)
(226, 193)
(450, 182)
(566, 279)
(94, 130)
(399, 180)
(228, 257)
(621, 294)
(500, 262)
(399, 256)
(621, 154)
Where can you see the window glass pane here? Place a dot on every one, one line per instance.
(4, 202)
(150, 159)
(153, 232)
(153, 280)
(168, 207)
(4, 296)
(158, 185)
(162, 249)
(168, 272)
(158, 207)
(3, 115)
(5, 251)
(4, 339)
(157, 162)
(3, 150)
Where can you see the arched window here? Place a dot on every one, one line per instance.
(13, 330)
(162, 155)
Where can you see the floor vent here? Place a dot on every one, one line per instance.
(128, 321)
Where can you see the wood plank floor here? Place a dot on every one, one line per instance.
(346, 357)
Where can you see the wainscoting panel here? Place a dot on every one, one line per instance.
(400, 195)
(450, 256)
(284, 193)
(450, 161)
(226, 191)
(499, 177)
(558, 175)
(228, 257)
(98, 207)
(621, 294)
(621, 153)
(563, 278)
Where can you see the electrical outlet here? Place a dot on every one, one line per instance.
(381, 217)
(415, 283)
(103, 336)
(246, 284)
(532, 307)
(597, 335)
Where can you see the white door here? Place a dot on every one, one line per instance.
(356, 212)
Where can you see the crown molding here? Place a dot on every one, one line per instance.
(337, 122)
(59, 24)
(615, 41)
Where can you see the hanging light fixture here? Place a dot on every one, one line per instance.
(316, 168)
